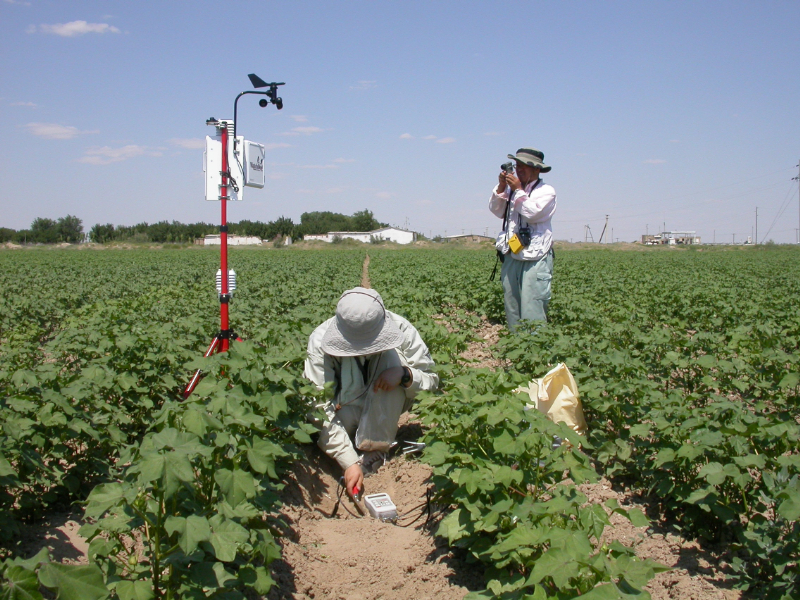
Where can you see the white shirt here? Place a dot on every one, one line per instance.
(533, 208)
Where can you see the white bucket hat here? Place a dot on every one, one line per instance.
(360, 326)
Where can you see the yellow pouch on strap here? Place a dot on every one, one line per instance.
(514, 244)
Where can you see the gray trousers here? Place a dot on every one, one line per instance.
(526, 288)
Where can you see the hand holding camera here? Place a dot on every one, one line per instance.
(508, 178)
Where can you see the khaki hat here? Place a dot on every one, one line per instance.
(531, 157)
(361, 326)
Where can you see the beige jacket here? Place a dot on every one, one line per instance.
(351, 388)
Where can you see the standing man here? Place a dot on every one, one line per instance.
(377, 362)
(526, 204)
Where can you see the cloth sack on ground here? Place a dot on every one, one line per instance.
(556, 395)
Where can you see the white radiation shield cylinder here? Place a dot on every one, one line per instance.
(254, 154)
(231, 281)
(212, 166)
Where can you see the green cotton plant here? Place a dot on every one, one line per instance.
(200, 486)
(688, 372)
(9, 482)
(690, 396)
(495, 463)
(771, 541)
(26, 579)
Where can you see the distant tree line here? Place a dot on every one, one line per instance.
(46, 231)
(70, 229)
(325, 222)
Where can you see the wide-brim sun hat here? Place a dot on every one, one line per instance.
(531, 157)
(361, 326)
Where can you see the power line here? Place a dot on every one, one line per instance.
(784, 206)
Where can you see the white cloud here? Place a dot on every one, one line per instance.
(654, 161)
(447, 140)
(75, 28)
(344, 160)
(429, 137)
(54, 131)
(31, 104)
(20, 2)
(492, 133)
(188, 143)
(107, 155)
(675, 141)
(406, 136)
(303, 131)
(299, 118)
(364, 85)
(384, 195)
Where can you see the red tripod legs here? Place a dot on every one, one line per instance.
(218, 344)
(214, 347)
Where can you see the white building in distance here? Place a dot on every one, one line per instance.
(671, 238)
(233, 240)
(390, 234)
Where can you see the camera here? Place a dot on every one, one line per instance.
(524, 235)
(508, 167)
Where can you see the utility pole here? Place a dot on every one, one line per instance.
(755, 241)
(602, 233)
(798, 200)
(733, 239)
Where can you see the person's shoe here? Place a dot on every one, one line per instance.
(372, 461)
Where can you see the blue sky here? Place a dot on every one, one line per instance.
(676, 113)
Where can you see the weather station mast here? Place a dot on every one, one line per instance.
(231, 163)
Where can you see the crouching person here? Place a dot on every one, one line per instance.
(377, 362)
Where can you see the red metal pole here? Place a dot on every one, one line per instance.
(223, 307)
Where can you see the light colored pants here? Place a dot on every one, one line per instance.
(526, 288)
(336, 433)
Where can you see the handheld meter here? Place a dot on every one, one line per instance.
(381, 507)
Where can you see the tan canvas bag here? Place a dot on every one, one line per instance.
(556, 395)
